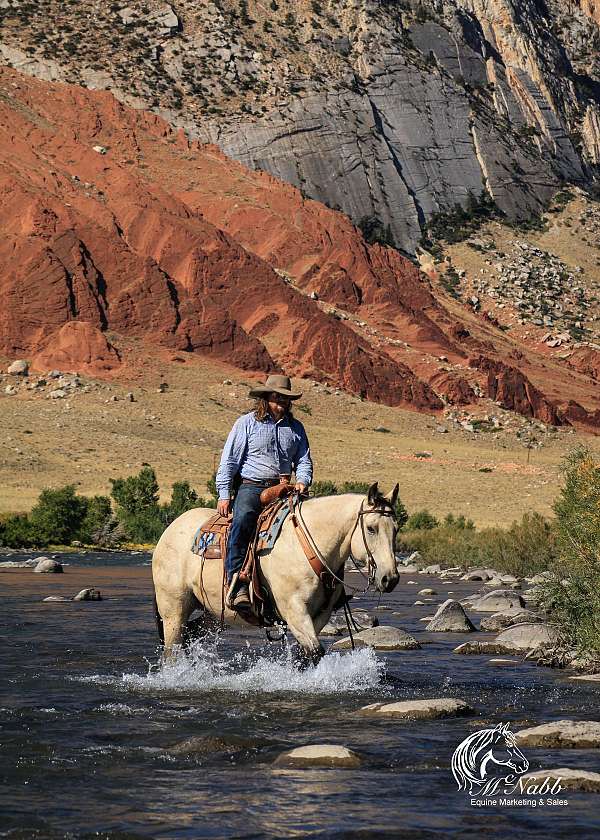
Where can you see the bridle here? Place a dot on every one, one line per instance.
(371, 564)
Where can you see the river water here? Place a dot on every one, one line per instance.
(95, 738)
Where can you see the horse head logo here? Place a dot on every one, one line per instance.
(487, 759)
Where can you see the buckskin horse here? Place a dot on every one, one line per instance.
(335, 526)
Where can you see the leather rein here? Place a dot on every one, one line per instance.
(314, 556)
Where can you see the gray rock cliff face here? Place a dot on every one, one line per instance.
(392, 111)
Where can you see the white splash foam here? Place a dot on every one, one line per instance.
(200, 670)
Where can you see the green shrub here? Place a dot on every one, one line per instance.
(526, 548)
(421, 521)
(95, 525)
(573, 593)
(16, 532)
(57, 516)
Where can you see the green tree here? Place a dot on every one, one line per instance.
(183, 498)
(58, 515)
(16, 532)
(96, 520)
(573, 594)
(138, 510)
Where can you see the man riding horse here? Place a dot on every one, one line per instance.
(262, 449)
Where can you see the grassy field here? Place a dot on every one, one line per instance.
(88, 438)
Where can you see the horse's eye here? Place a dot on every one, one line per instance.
(370, 529)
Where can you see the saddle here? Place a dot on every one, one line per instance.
(210, 543)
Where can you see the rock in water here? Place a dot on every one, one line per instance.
(380, 638)
(502, 620)
(523, 637)
(499, 600)
(18, 368)
(319, 755)
(88, 595)
(562, 734)
(419, 709)
(568, 778)
(450, 618)
(46, 566)
(57, 599)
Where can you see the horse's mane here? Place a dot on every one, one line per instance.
(381, 503)
(464, 760)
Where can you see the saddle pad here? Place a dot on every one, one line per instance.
(211, 537)
(268, 537)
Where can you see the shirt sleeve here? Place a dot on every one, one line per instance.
(303, 465)
(231, 458)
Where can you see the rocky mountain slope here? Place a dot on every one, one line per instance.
(391, 110)
(115, 225)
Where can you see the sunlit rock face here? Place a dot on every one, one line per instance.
(391, 110)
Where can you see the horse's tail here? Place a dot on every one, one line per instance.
(159, 622)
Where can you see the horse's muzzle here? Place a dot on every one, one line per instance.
(388, 583)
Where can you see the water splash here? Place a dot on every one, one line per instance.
(201, 670)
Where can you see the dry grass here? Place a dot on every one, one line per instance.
(87, 439)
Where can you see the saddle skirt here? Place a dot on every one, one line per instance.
(210, 543)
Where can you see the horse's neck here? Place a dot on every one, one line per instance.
(330, 521)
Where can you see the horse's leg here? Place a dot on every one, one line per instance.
(302, 628)
(174, 611)
(199, 626)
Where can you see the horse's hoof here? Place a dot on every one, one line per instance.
(307, 658)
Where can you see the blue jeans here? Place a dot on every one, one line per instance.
(246, 510)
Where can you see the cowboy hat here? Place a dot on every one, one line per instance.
(276, 384)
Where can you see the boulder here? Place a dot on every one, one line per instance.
(477, 574)
(380, 638)
(18, 368)
(319, 755)
(434, 569)
(88, 595)
(426, 592)
(78, 345)
(569, 778)
(562, 734)
(56, 599)
(450, 618)
(46, 565)
(419, 709)
(408, 570)
(499, 600)
(501, 620)
(526, 636)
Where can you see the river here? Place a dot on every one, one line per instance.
(93, 733)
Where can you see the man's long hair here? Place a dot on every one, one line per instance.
(261, 412)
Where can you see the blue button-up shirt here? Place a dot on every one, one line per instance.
(262, 449)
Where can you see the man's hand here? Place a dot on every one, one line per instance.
(301, 488)
(223, 506)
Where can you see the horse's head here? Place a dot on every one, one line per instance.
(373, 538)
(504, 750)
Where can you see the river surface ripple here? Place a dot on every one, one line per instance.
(92, 731)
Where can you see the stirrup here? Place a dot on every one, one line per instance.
(231, 591)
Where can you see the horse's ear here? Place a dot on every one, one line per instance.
(391, 497)
(373, 494)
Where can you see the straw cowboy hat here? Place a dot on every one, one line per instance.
(276, 384)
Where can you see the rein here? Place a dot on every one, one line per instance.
(371, 564)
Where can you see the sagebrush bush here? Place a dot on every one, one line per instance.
(526, 548)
